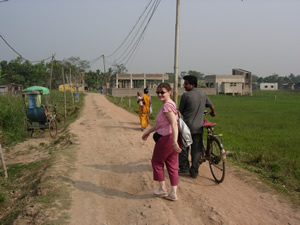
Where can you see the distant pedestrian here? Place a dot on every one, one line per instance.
(101, 90)
(144, 114)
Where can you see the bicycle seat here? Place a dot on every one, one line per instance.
(208, 124)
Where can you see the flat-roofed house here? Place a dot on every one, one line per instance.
(10, 89)
(138, 80)
(268, 86)
(239, 83)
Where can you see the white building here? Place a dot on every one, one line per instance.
(268, 86)
(226, 84)
(239, 83)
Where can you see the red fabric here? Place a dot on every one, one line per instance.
(164, 153)
(208, 124)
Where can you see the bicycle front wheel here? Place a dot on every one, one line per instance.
(216, 160)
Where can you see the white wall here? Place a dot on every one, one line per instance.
(268, 86)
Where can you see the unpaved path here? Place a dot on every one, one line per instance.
(113, 182)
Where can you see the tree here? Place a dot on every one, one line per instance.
(119, 68)
(171, 77)
(197, 74)
(94, 79)
(76, 62)
(271, 79)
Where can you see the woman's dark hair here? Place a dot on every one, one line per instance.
(164, 85)
(146, 90)
(191, 79)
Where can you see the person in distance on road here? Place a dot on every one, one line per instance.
(144, 115)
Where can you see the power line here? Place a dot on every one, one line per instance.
(20, 54)
(10, 46)
(132, 38)
(136, 33)
(131, 29)
(137, 44)
(94, 60)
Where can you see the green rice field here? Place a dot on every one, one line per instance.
(260, 133)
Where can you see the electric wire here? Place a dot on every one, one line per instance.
(129, 55)
(134, 48)
(142, 36)
(136, 33)
(131, 39)
(94, 60)
(131, 29)
(20, 54)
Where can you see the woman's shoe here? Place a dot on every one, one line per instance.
(160, 193)
(171, 198)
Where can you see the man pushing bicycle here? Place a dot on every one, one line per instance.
(192, 106)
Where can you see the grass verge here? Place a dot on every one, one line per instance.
(33, 192)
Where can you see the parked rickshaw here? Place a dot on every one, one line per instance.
(38, 111)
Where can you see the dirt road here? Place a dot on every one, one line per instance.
(113, 182)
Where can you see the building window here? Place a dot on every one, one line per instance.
(266, 86)
(272, 86)
(232, 84)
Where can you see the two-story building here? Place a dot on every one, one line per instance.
(239, 83)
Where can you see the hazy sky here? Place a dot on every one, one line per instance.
(262, 36)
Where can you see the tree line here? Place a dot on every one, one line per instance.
(275, 78)
(23, 72)
(27, 74)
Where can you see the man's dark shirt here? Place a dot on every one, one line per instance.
(192, 106)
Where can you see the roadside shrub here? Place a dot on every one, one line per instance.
(12, 116)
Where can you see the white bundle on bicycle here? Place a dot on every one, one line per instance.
(184, 133)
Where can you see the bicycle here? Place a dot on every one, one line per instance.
(59, 117)
(213, 152)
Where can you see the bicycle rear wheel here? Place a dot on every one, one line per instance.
(52, 128)
(216, 160)
(60, 120)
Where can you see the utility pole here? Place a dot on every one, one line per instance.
(50, 82)
(71, 88)
(105, 75)
(65, 97)
(175, 91)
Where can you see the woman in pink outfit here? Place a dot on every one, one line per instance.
(166, 148)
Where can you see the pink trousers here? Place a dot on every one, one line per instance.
(164, 153)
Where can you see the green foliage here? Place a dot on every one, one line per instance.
(12, 114)
(197, 74)
(95, 79)
(275, 78)
(18, 170)
(22, 179)
(119, 68)
(23, 72)
(2, 196)
(261, 131)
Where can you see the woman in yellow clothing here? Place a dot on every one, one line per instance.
(144, 111)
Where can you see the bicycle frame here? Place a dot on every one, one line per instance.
(213, 152)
